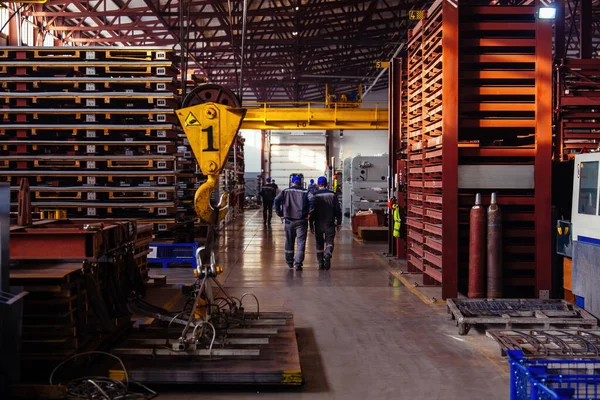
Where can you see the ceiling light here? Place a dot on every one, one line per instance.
(294, 33)
(547, 13)
(297, 8)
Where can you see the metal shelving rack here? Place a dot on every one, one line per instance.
(93, 130)
(498, 59)
(505, 109)
(432, 148)
(577, 82)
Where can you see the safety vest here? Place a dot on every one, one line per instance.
(397, 221)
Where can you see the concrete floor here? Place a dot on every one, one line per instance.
(361, 332)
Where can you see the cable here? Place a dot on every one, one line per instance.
(87, 353)
(257, 303)
(194, 307)
(100, 387)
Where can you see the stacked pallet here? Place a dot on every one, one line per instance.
(479, 86)
(431, 109)
(93, 130)
(577, 101)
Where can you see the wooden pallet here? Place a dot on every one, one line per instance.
(92, 147)
(87, 83)
(132, 53)
(75, 99)
(522, 313)
(66, 116)
(49, 132)
(103, 163)
(85, 67)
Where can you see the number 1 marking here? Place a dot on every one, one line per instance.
(209, 133)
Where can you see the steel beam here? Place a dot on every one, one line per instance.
(543, 157)
(4, 237)
(586, 35)
(450, 150)
(559, 26)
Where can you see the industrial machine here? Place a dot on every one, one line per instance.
(368, 183)
(352, 99)
(579, 238)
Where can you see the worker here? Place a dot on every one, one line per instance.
(295, 205)
(267, 194)
(325, 222)
(312, 187)
(393, 205)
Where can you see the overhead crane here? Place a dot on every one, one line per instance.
(315, 115)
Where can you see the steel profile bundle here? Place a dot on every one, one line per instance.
(93, 129)
(480, 121)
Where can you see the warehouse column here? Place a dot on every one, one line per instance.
(585, 32)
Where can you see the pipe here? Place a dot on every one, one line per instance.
(494, 250)
(477, 250)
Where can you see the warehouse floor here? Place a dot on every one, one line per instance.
(361, 333)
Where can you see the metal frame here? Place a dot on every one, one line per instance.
(510, 312)
(288, 46)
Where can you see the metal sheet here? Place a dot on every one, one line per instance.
(586, 275)
(495, 177)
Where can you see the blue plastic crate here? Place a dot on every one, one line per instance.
(536, 379)
(165, 253)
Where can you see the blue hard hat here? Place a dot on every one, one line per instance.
(312, 181)
(322, 181)
(296, 179)
(268, 179)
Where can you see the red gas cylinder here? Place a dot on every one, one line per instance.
(494, 250)
(477, 251)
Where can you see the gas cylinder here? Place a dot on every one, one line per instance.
(494, 250)
(477, 253)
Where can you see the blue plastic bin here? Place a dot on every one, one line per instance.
(536, 379)
(165, 253)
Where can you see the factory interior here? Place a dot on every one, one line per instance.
(300, 199)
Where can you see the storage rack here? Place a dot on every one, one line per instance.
(500, 56)
(576, 118)
(431, 116)
(505, 110)
(93, 129)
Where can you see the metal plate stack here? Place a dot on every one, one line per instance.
(93, 130)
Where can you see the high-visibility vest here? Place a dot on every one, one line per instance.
(397, 221)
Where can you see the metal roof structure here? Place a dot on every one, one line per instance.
(290, 48)
(268, 50)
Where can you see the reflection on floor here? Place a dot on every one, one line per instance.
(361, 333)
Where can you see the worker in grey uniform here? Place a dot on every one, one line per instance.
(295, 204)
(268, 193)
(325, 221)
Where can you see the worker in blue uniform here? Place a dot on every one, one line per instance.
(295, 205)
(268, 193)
(325, 222)
(313, 186)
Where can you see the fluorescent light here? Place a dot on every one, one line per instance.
(294, 33)
(547, 13)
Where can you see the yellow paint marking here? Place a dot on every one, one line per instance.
(402, 279)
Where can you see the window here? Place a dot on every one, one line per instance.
(27, 33)
(48, 40)
(588, 188)
(4, 15)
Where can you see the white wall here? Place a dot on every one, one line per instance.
(252, 149)
(352, 143)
